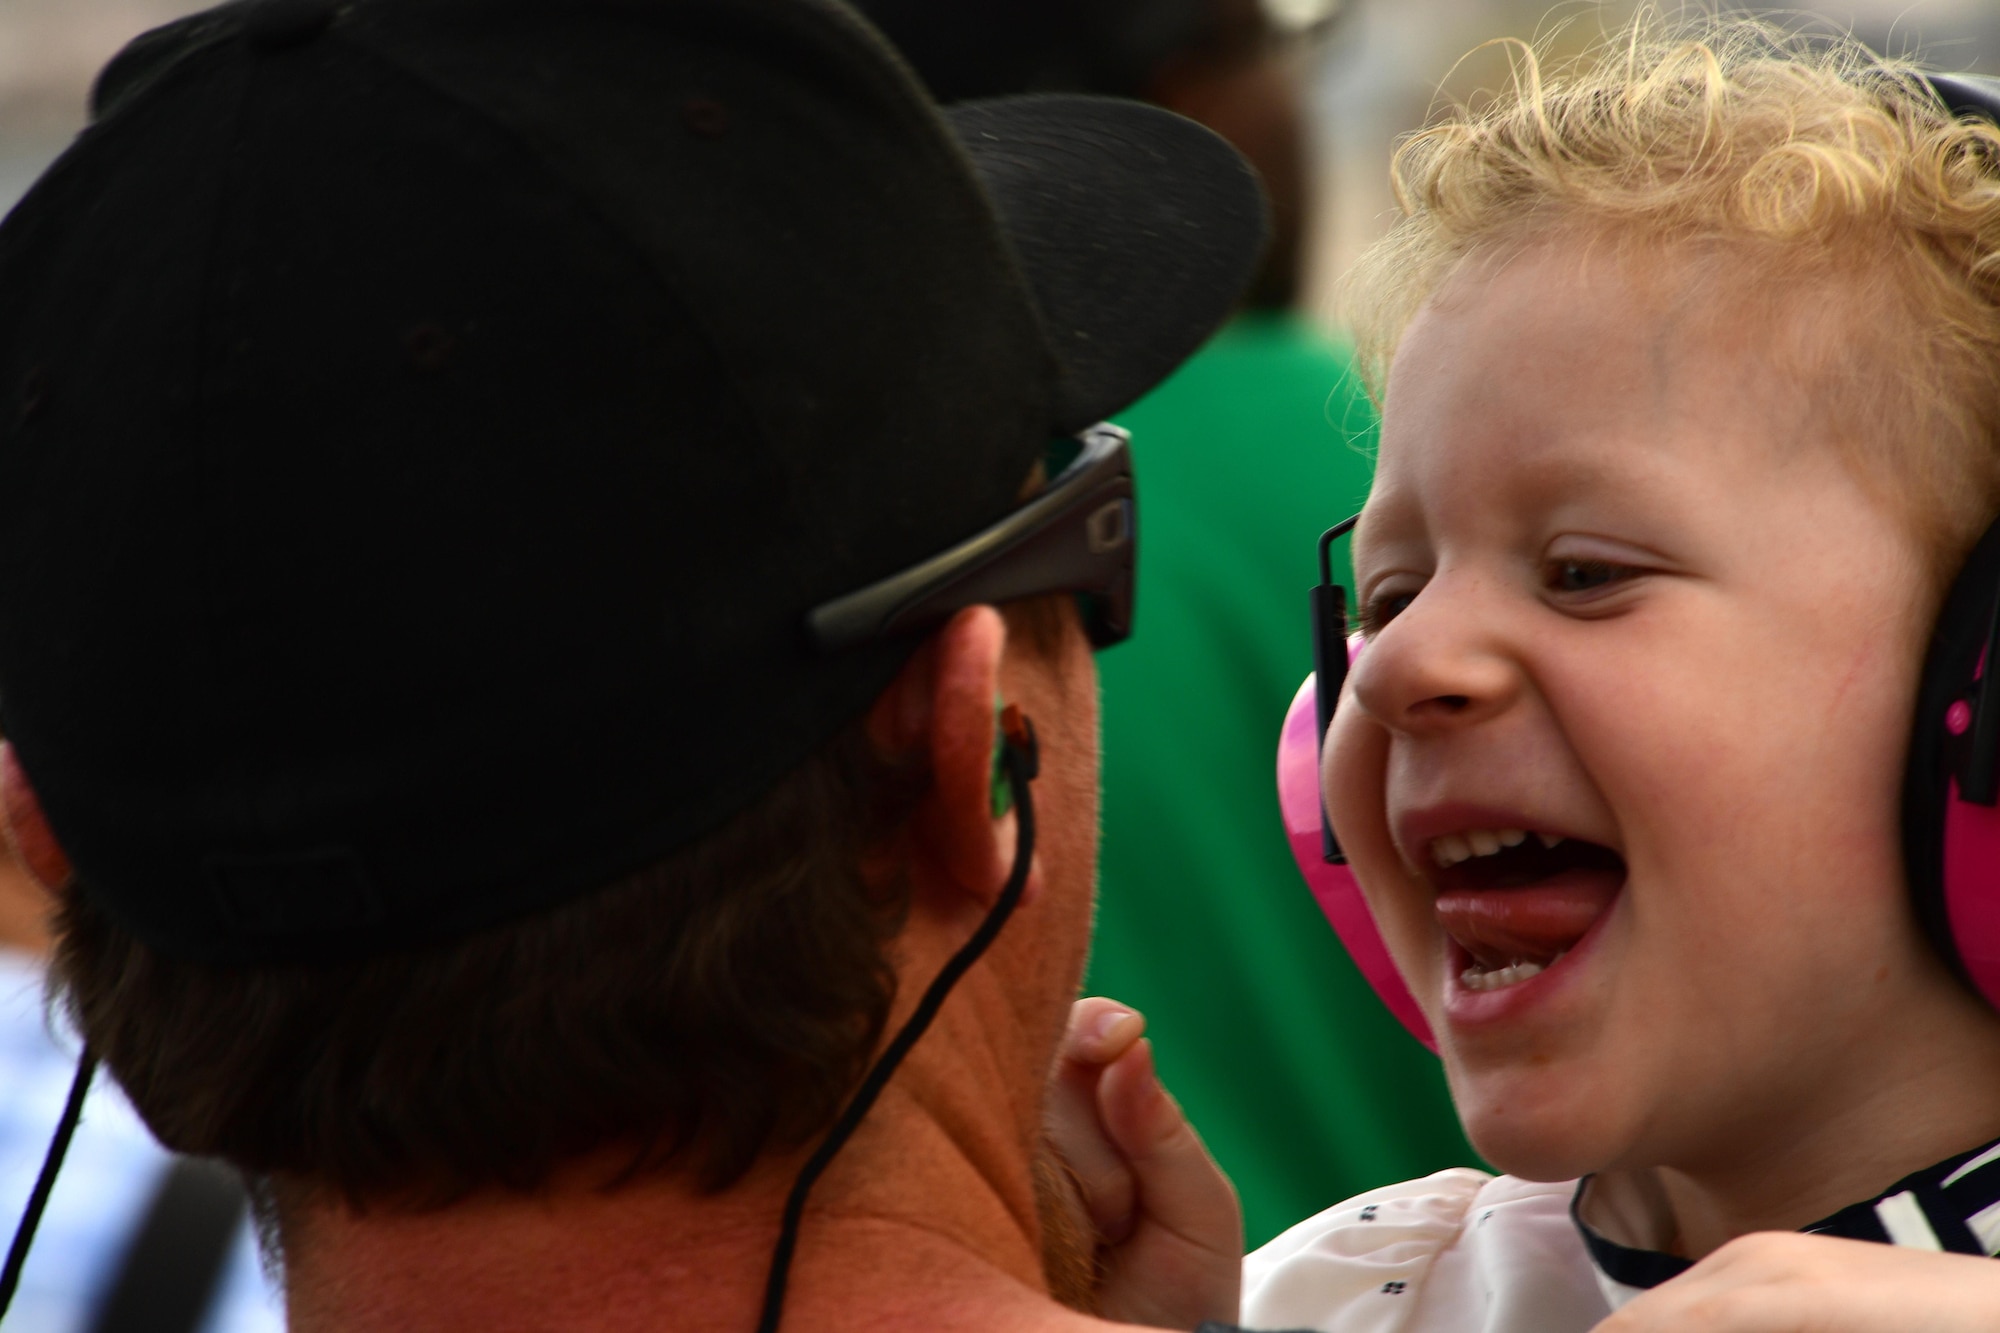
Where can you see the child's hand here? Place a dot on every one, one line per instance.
(1169, 1232)
(1780, 1282)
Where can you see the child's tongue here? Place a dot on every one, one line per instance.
(1533, 923)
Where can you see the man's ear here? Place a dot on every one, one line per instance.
(942, 706)
(28, 834)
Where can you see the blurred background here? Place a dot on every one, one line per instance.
(1371, 73)
(1379, 70)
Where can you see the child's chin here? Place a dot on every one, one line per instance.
(1525, 1127)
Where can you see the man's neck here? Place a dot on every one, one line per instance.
(925, 1221)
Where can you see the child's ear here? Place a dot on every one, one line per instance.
(28, 834)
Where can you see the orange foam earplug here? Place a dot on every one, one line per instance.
(28, 834)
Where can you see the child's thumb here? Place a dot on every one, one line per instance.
(1179, 1186)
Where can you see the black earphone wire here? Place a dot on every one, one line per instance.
(38, 1199)
(1022, 764)
(1329, 629)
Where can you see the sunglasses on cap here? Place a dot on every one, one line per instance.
(1080, 535)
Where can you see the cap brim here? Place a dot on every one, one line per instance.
(1136, 229)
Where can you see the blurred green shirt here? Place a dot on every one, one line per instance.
(1304, 1087)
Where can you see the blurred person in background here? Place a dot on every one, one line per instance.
(1301, 1083)
(135, 1240)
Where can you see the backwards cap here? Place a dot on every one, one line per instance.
(425, 426)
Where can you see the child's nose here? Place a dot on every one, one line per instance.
(1442, 663)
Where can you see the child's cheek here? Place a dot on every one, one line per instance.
(1353, 776)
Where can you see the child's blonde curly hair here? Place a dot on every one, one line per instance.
(1794, 160)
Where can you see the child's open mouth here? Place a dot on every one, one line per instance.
(1517, 901)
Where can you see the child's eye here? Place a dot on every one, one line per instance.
(1380, 609)
(1586, 575)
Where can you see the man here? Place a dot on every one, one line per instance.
(1304, 1086)
(504, 503)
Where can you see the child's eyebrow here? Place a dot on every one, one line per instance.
(1616, 487)
(1564, 473)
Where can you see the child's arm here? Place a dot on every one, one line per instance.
(1169, 1232)
(1781, 1282)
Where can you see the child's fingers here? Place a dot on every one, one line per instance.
(1169, 1233)
(1783, 1282)
(1179, 1186)
(1181, 1261)
(1100, 1031)
(1103, 1180)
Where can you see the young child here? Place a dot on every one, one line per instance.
(1690, 367)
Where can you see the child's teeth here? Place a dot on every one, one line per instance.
(1476, 978)
(1479, 978)
(1449, 850)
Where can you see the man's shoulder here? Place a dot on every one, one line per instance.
(1460, 1250)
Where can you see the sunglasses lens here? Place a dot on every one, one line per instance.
(1118, 611)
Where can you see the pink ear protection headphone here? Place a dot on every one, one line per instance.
(1951, 826)
(1314, 847)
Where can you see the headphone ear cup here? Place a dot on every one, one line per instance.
(1951, 846)
(1332, 883)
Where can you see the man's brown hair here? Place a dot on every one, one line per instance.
(712, 1006)
(698, 1010)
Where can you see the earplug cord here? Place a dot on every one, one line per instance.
(1022, 762)
(31, 1216)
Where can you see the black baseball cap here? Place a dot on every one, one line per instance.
(426, 427)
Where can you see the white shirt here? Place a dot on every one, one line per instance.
(1465, 1252)
(1457, 1252)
